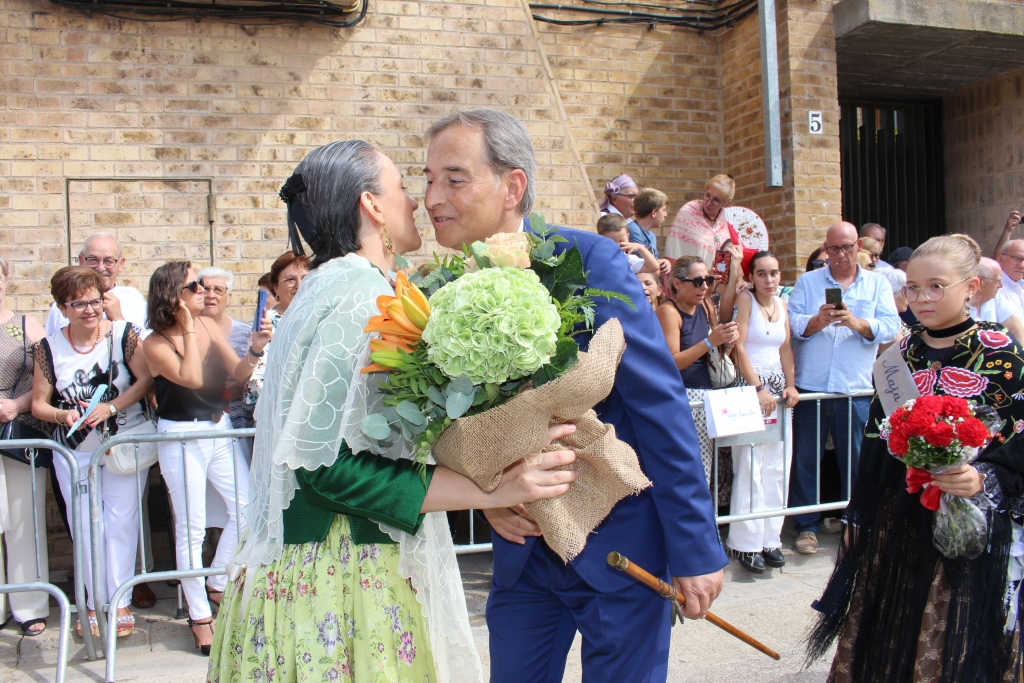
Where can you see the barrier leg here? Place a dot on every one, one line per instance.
(65, 618)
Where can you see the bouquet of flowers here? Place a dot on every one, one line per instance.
(481, 358)
(933, 434)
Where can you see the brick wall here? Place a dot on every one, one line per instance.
(983, 127)
(233, 109)
(642, 102)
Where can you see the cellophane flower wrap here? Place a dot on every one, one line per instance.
(934, 434)
(481, 359)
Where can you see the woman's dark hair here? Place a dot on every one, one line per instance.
(764, 253)
(815, 256)
(164, 293)
(71, 281)
(333, 177)
(282, 262)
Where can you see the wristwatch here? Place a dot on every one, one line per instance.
(758, 388)
(113, 409)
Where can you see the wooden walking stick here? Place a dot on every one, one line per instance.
(622, 563)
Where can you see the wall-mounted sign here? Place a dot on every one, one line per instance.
(814, 122)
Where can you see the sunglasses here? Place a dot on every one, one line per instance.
(708, 281)
(815, 264)
(193, 287)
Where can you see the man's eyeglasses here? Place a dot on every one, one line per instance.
(93, 261)
(219, 290)
(708, 281)
(836, 248)
(1016, 259)
(79, 306)
(627, 196)
(292, 281)
(193, 287)
(932, 292)
(875, 255)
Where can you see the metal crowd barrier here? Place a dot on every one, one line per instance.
(108, 626)
(77, 554)
(781, 431)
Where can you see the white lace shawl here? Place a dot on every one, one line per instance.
(314, 398)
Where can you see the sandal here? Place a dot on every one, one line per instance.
(205, 649)
(26, 627)
(94, 629)
(125, 625)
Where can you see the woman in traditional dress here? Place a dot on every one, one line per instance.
(700, 228)
(349, 572)
(900, 609)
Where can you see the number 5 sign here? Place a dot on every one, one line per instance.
(814, 122)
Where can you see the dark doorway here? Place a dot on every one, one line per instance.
(892, 169)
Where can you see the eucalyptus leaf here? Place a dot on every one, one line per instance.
(375, 426)
(410, 412)
(390, 413)
(461, 385)
(435, 395)
(458, 404)
(406, 432)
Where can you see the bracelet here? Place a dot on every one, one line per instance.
(759, 388)
(189, 332)
(708, 342)
(256, 355)
(57, 417)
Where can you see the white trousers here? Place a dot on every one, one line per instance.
(20, 540)
(186, 472)
(758, 484)
(119, 524)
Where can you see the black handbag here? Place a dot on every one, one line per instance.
(15, 429)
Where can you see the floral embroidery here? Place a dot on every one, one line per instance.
(960, 382)
(925, 381)
(339, 612)
(993, 339)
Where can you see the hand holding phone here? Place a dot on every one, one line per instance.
(834, 296)
(261, 305)
(722, 264)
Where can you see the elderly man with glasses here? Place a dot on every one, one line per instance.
(102, 253)
(991, 304)
(834, 347)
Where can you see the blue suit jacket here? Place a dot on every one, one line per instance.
(670, 527)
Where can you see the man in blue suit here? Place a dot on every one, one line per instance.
(481, 181)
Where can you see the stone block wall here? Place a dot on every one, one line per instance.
(983, 127)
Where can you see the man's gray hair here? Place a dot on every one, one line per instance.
(99, 236)
(1009, 244)
(896, 277)
(506, 141)
(867, 226)
(214, 271)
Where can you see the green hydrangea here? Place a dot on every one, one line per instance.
(495, 325)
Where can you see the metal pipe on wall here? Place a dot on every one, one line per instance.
(770, 94)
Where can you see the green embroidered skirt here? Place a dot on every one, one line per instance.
(328, 611)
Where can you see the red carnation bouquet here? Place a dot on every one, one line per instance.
(933, 434)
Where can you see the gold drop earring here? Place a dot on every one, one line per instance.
(389, 246)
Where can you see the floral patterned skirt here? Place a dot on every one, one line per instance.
(328, 611)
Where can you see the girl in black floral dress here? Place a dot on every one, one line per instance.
(900, 609)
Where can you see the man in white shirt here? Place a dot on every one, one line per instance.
(991, 304)
(1011, 262)
(102, 253)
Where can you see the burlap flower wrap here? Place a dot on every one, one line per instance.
(482, 446)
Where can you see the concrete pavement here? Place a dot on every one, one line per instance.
(773, 607)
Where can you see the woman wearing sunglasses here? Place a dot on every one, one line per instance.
(71, 366)
(189, 358)
(691, 332)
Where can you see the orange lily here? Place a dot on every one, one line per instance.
(400, 324)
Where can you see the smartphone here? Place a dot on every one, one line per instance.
(261, 305)
(723, 261)
(834, 296)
